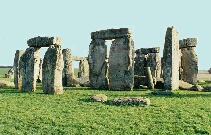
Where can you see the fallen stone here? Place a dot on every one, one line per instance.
(185, 86)
(98, 98)
(130, 101)
(4, 83)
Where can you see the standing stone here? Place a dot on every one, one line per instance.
(16, 67)
(39, 78)
(140, 63)
(189, 60)
(121, 64)
(68, 72)
(52, 71)
(97, 64)
(29, 66)
(154, 62)
(83, 68)
(171, 59)
(148, 57)
(149, 78)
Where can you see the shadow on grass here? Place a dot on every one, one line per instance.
(78, 88)
(176, 94)
(8, 90)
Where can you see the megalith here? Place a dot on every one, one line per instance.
(52, 70)
(148, 57)
(98, 64)
(121, 64)
(171, 58)
(119, 67)
(189, 60)
(140, 63)
(16, 68)
(68, 72)
(83, 68)
(39, 78)
(29, 67)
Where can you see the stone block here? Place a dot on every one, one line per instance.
(98, 65)
(16, 67)
(52, 70)
(150, 50)
(189, 42)
(111, 34)
(78, 58)
(44, 41)
(171, 58)
(68, 71)
(121, 64)
(29, 67)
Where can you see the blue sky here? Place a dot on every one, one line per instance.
(73, 21)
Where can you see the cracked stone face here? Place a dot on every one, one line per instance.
(16, 67)
(83, 68)
(171, 58)
(121, 64)
(29, 67)
(97, 64)
(189, 61)
(68, 71)
(52, 71)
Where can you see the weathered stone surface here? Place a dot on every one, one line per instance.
(4, 83)
(189, 62)
(111, 34)
(171, 60)
(98, 98)
(16, 67)
(184, 85)
(39, 78)
(44, 41)
(154, 62)
(140, 63)
(149, 78)
(130, 101)
(149, 50)
(147, 57)
(77, 58)
(189, 42)
(52, 71)
(98, 64)
(29, 67)
(84, 81)
(121, 64)
(68, 71)
(83, 68)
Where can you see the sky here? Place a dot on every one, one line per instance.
(74, 20)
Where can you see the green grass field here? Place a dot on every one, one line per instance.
(3, 71)
(184, 112)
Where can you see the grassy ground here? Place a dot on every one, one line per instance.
(185, 112)
(3, 71)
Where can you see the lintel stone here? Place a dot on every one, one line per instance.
(189, 42)
(111, 34)
(44, 41)
(148, 50)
